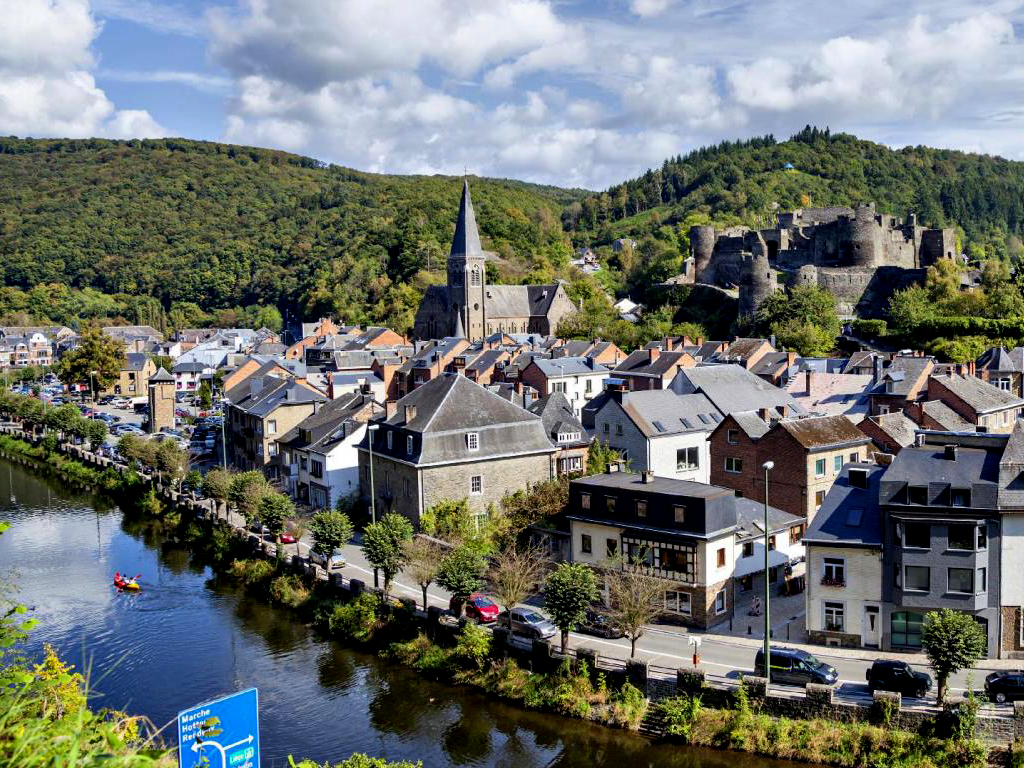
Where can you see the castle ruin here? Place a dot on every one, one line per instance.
(857, 254)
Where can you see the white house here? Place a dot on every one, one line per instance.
(659, 431)
(188, 376)
(319, 460)
(580, 379)
(785, 547)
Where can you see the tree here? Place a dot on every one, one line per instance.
(423, 559)
(171, 461)
(246, 491)
(163, 361)
(331, 529)
(95, 432)
(96, 361)
(952, 641)
(636, 600)
(515, 573)
(297, 529)
(449, 520)
(805, 317)
(274, 510)
(568, 593)
(541, 501)
(217, 485)
(205, 396)
(461, 573)
(62, 417)
(600, 456)
(384, 545)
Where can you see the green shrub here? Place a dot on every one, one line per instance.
(473, 646)
(354, 620)
(629, 705)
(251, 572)
(679, 715)
(289, 590)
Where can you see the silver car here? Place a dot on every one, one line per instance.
(527, 622)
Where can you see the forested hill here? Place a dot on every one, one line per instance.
(743, 182)
(214, 225)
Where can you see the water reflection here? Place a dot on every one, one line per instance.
(189, 637)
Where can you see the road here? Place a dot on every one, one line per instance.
(722, 656)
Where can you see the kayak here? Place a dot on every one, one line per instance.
(127, 585)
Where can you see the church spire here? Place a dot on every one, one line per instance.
(460, 332)
(466, 243)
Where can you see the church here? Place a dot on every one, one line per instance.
(468, 307)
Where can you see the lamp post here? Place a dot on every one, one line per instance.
(370, 430)
(767, 467)
(224, 433)
(92, 386)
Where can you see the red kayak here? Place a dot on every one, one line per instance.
(129, 585)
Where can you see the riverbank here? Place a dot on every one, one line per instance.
(572, 689)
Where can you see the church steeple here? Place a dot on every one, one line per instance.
(466, 243)
(460, 332)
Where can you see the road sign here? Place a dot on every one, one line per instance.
(223, 733)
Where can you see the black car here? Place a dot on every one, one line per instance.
(795, 667)
(897, 676)
(1004, 686)
(599, 625)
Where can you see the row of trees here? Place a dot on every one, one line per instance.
(64, 421)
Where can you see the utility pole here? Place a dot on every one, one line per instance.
(767, 466)
(371, 429)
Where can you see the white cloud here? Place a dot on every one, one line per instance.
(649, 7)
(133, 124)
(200, 81)
(157, 16)
(46, 88)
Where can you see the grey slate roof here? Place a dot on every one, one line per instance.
(927, 464)
(980, 395)
(639, 362)
(896, 426)
(658, 412)
(466, 241)
(330, 423)
(558, 418)
(161, 375)
(946, 417)
(136, 361)
(903, 372)
(996, 359)
(750, 519)
(849, 515)
(732, 388)
(450, 406)
(568, 366)
(751, 423)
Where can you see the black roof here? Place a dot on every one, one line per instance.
(850, 515)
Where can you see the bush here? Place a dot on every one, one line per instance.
(251, 572)
(567, 692)
(354, 620)
(289, 590)
(870, 328)
(629, 705)
(679, 715)
(473, 646)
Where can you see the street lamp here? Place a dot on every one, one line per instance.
(223, 433)
(370, 429)
(767, 467)
(92, 385)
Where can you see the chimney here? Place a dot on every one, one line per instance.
(648, 476)
(653, 353)
(808, 378)
(410, 413)
(765, 414)
(668, 343)
(616, 391)
(700, 341)
(876, 363)
(527, 397)
(790, 359)
(919, 439)
(949, 454)
(590, 362)
(390, 409)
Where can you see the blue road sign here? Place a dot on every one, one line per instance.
(223, 733)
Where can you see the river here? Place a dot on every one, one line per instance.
(186, 639)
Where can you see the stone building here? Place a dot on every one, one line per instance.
(452, 439)
(161, 401)
(471, 308)
(858, 254)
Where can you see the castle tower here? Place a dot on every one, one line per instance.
(161, 401)
(467, 273)
(702, 247)
(863, 236)
(757, 278)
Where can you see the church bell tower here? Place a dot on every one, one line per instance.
(467, 274)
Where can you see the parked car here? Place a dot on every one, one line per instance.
(884, 675)
(526, 621)
(599, 625)
(287, 538)
(1004, 686)
(479, 608)
(796, 667)
(333, 563)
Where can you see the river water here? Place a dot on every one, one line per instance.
(185, 640)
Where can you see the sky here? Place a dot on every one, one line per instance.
(568, 92)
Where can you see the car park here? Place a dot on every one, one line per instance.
(530, 623)
(1004, 686)
(897, 676)
(795, 667)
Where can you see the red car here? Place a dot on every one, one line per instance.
(481, 608)
(287, 538)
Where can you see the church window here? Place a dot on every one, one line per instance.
(476, 306)
(456, 278)
(474, 276)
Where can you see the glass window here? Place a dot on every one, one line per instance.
(408, 445)
(917, 578)
(982, 580)
(982, 537)
(584, 501)
(961, 580)
(748, 549)
(677, 602)
(618, 429)
(641, 508)
(917, 494)
(639, 554)
(960, 497)
(771, 543)
(961, 536)
(732, 436)
(819, 468)
(687, 458)
(733, 465)
(609, 504)
(681, 561)
(472, 441)
(272, 427)
(837, 463)
(476, 484)
(586, 544)
(833, 572)
(720, 602)
(854, 457)
(917, 535)
(606, 427)
(680, 513)
(819, 498)
(796, 534)
(720, 557)
(905, 629)
(834, 617)
(611, 547)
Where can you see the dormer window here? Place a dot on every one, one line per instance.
(473, 441)
(917, 494)
(391, 436)
(960, 497)
(888, 387)
(408, 444)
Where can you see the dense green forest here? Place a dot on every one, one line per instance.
(201, 226)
